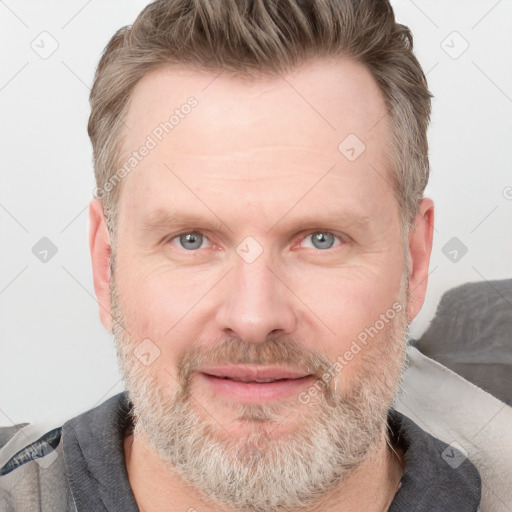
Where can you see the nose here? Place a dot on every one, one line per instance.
(256, 302)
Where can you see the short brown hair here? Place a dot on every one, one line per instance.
(254, 37)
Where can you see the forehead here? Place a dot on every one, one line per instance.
(333, 96)
(258, 139)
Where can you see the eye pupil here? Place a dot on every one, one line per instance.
(191, 238)
(325, 240)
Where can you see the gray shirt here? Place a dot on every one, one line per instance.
(88, 472)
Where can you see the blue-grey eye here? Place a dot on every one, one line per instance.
(322, 240)
(191, 241)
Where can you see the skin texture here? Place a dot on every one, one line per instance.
(258, 159)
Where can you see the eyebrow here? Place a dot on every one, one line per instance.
(345, 218)
(162, 219)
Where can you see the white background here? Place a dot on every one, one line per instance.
(56, 359)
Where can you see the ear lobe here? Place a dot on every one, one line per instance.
(419, 250)
(100, 248)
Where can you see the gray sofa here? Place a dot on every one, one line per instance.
(471, 334)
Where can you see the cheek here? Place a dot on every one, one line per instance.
(158, 304)
(359, 307)
(347, 301)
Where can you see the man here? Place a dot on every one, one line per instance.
(260, 243)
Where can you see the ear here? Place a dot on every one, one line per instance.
(419, 250)
(99, 245)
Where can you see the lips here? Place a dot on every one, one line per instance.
(253, 384)
(253, 374)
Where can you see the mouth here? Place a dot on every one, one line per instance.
(254, 384)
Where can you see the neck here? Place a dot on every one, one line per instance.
(370, 487)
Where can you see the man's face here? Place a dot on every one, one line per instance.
(249, 238)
